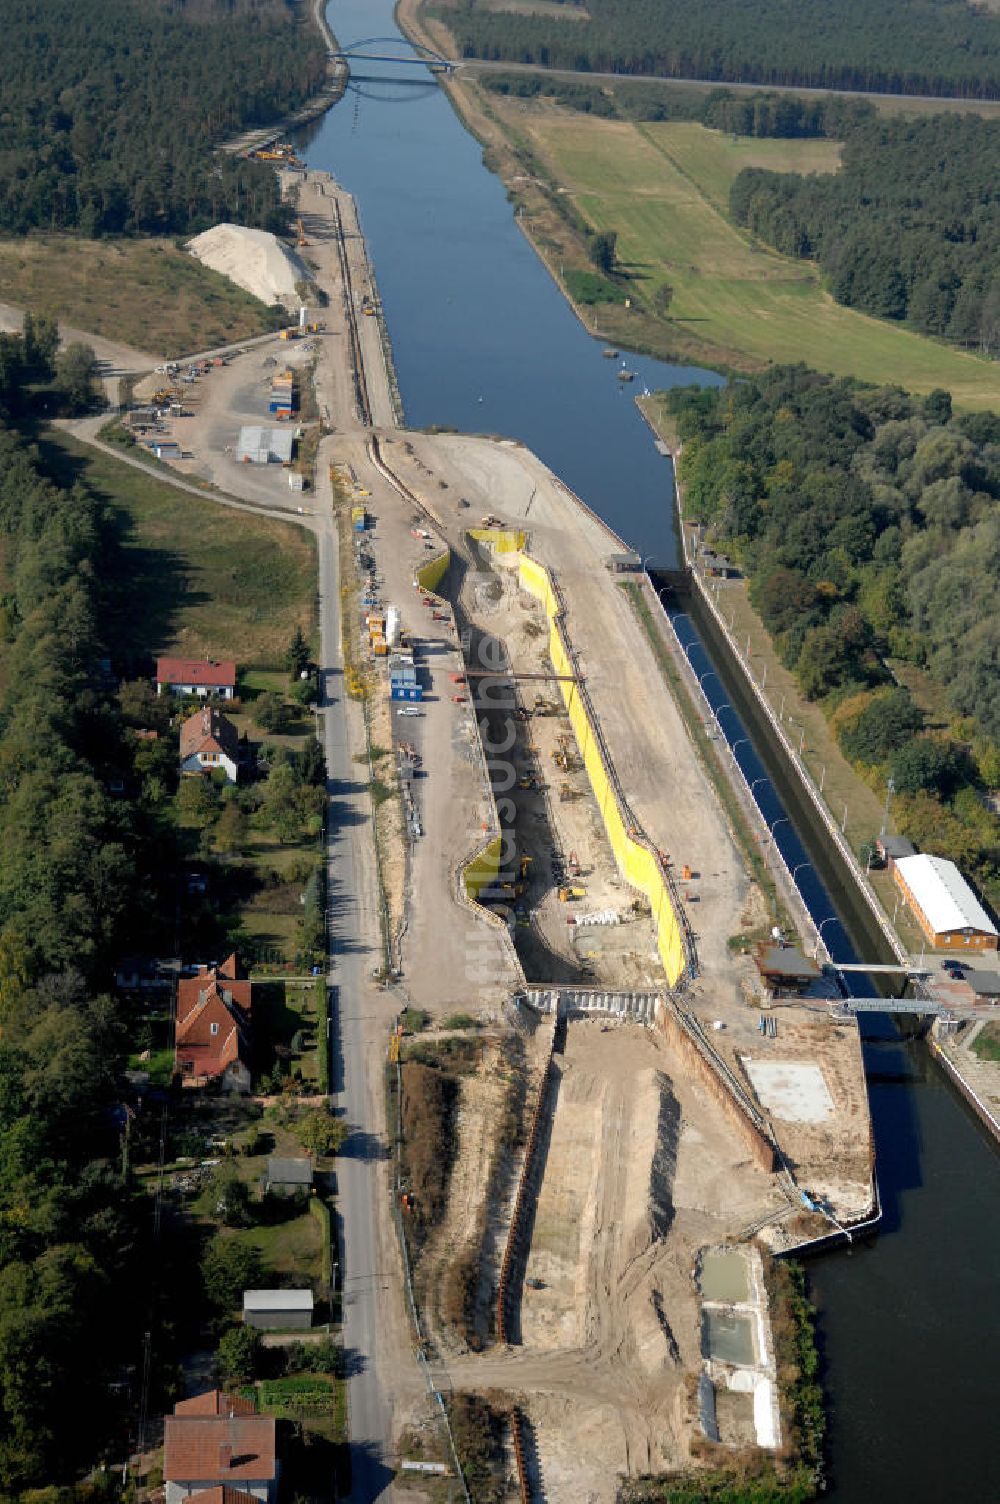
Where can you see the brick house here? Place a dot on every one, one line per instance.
(213, 1032)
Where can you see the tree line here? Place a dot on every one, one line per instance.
(112, 111)
(756, 114)
(898, 46)
(908, 229)
(867, 522)
(78, 879)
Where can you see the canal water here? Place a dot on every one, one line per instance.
(483, 341)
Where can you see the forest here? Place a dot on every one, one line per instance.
(79, 875)
(908, 229)
(867, 523)
(112, 111)
(899, 46)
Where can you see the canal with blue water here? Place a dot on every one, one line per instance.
(483, 341)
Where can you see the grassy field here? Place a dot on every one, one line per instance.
(204, 581)
(146, 293)
(660, 186)
(713, 160)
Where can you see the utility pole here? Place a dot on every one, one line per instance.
(890, 789)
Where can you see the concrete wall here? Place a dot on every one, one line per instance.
(637, 860)
(701, 1066)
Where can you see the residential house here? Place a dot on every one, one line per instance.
(212, 1032)
(210, 741)
(194, 676)
(215, 1444)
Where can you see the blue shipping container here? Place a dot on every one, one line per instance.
(412, 692)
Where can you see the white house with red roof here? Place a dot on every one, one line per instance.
(210, 742)
(196, 676)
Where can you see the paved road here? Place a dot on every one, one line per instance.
(490, 65)
(355, 950)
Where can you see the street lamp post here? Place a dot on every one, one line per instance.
(755, 783)
(798, 867)
(708, 674)
(716, 712)
(739, 740)
(772, 828)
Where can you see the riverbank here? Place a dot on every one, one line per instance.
(329, 95)
(689, 284)
(555, 233)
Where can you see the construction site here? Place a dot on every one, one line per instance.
(621, 1143)
(660, 1120)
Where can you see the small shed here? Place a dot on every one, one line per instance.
(784, 969)
(716, 565)
(985, 985)
(288, 1177)
(623, 563)
(891, 848)
(278, 1310)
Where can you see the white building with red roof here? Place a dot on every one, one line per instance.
(196, 676)
(209, 742)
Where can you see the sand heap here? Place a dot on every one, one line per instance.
(254, 259)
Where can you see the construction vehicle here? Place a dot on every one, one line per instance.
(302, 232)
(523, 866)
(568, 895)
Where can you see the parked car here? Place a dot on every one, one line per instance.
(409, 710)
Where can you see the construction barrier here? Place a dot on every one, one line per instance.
(501, 540)
(638, 860)
(430, 575)
(481, 872)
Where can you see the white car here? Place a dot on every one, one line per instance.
(408, 710)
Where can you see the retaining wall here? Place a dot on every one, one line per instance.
(513, 1251)
(713, 1074)
(638, 860)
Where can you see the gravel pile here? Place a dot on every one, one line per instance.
(254, 259)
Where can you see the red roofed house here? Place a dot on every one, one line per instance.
(215, 1402)
(212, 1034)
(193, 676)
(216, 1450)
(209, 741)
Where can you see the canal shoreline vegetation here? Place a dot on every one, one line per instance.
(861, 519)
(748, 1475)
(739, 825)
(735, 305)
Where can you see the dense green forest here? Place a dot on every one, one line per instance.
(78, 877)
(111, 111)
(868, 525)
(743, 114)
(898, 46)
(909, 229)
